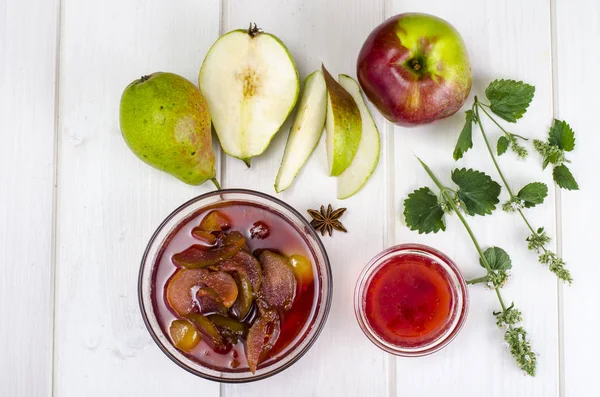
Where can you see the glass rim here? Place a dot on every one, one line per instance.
(457, 284)
(312, 334)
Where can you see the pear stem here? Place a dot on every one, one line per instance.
(216, 183)
(254, 30)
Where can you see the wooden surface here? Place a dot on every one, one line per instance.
(77, 207)
(28, 45)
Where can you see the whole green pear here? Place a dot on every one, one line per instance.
(165, 122)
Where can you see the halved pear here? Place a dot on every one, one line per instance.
(251, 84)
(343, 125)
(367, 156)
(306, 130)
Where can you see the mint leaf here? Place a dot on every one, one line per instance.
(423, 212)
(465, 141)
(497, 258)
(502, 145)
(556, 155)
(563, 178)
(545, 163)
(562, 136)
(477, 191)
(509, 99)
(533, 193)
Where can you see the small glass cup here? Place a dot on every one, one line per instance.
(323, 280)
(456, 317)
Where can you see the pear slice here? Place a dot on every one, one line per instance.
(343, 125)
(367, 156)
(251, 84)
(306, 130)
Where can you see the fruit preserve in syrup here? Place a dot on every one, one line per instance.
(408, 300)
(411, 300)
(234, 287)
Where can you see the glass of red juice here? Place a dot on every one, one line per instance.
(266, 224)
(411, 300)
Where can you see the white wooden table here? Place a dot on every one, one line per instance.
(77, 208)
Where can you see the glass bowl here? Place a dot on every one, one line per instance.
(458, 311)
(323, 283)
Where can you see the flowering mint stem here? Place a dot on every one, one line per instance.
(555, 263)
(495, 122)
(478, 280)
(450, 201)
(487, 143)
(509, 318)
(477, 247)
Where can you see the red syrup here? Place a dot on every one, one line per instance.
(282, 237)
(409, 300)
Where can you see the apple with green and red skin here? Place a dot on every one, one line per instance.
(415, 69)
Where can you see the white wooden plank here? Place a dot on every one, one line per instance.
(28, 40)
(505, 39)
(577, 59)
(342, 362)
(109, 202)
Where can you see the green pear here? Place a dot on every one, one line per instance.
(165, 122)
(367, 155)
(251, 84)
(306, 130)
(343, 126)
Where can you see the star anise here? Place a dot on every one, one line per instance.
(326, 221)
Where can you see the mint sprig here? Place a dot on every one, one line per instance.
(506, 141)
(561, 139)
(494, 260)
(509, 100)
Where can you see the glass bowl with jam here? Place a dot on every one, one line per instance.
(411, 300)
(235, 286)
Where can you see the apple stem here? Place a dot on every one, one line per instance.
(144, 78)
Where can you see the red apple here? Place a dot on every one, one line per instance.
(415, 69)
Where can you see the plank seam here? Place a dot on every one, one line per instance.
(390, 226)
(222, 159)
(54, 226)
(223, 4)
(558, 204)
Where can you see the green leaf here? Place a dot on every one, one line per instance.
(563, 178)
(556, 156)
(497, 258)
(465, 141)
(562, 136)
(502, 145)
(423, 212)
(533, 193)
(509, 99)
(545, 163)
(477, 191)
